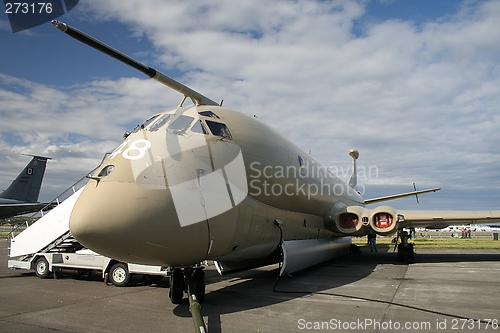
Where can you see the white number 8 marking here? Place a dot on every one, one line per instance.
(134, 146)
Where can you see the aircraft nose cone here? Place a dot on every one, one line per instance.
(129, 223)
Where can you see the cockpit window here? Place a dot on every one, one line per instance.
(143, 125)
(209, 114)
(136, 129)
(160, 122)
(219, 129)
(180, 125)
(198, 127)
(149, 121)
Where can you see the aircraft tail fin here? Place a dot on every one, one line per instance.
(26, 187)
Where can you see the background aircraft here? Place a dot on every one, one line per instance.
(21, 196)
(207, 182)
(473, 227)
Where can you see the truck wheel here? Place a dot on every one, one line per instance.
(119, 275)
(42, 268)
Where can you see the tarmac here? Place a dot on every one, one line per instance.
(443, 291)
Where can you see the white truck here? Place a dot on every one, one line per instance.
(47, 246)
(118, 273)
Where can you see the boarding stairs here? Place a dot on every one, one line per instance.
(50, 233)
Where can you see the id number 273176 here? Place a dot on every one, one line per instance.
(28, 8)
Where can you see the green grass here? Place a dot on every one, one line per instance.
(437, 242)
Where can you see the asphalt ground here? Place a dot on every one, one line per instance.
(443, 291)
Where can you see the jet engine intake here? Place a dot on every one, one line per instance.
(383, 220)
(357, 220)
(352, 220)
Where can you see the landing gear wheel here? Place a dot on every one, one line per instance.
(406, 250)
(42, 268)
(176, 286)
(199, 284)
(411, 252)
(401, 252)
(119, 275)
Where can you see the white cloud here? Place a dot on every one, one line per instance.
(75, 126)
(419, 102)
(99, 109)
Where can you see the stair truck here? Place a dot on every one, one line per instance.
(48, 247)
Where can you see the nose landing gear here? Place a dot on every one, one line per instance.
(191, 280)
(176, 286)
(179, 283)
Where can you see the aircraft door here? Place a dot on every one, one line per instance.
(222, 192)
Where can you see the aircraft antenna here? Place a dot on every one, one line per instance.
(416, 195)
(195, 96)
(353, 182)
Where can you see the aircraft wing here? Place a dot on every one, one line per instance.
(442, 219)
(10, 210)
(401, 195)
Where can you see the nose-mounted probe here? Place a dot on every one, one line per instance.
(195, 96)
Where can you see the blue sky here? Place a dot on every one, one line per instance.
(413, 85)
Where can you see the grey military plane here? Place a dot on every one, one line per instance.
(21, 196)
(205, 182)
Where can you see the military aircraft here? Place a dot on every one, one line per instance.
(205, 182)
(21, 196)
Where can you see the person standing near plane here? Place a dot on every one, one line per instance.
(372, 241)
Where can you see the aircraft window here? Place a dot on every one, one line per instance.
(209, 114)
(302, 163)
(136, 129)
(106, 171)
(180, 125)
(149, 121)
(219, 129)
(142, 126)
(198, 127)
(160, 122)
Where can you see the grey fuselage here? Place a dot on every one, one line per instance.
(174, 195)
